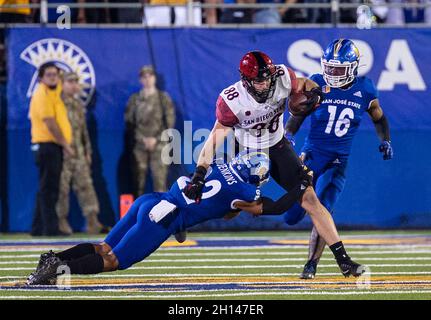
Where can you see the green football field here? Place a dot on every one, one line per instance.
(243, 265)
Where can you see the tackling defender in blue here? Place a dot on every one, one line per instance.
(153, 218)
(334, 123)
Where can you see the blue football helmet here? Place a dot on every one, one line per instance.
(251, 166)
(340, 63)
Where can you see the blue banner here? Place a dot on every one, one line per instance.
(194, 66)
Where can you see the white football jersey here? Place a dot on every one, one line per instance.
(259, 125)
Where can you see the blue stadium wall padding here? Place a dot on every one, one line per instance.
(194, 66)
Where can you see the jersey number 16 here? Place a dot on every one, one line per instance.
(343, 123)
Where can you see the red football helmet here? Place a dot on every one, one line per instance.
(256, 66)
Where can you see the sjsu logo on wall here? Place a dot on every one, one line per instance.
(68, 57)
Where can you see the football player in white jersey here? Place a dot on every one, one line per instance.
(254, 107)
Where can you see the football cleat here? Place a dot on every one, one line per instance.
(47, 274)
(349, 267)
(309, 271)
(44, 257)
(181, 236)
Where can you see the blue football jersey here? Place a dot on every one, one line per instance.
(336, 120)
(222, 189)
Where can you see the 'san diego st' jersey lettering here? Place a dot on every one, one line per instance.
(256, 125)
(336, 120)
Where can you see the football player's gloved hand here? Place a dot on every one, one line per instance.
(386, 148)
(306, 176)
(315, 97)
(193, 189)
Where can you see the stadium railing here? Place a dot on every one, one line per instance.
(334, 5)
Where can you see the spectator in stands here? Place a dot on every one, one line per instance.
(128, 15)
(295, 15)
(94, 15)
(401, 16)
(318, 15)
(349, 15)
(211, 14)
(271, 15)
(171, 12)
(237, 15)
(51, 136)
(149, 112)
(15, 15)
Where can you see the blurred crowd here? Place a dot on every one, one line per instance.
(174, 12)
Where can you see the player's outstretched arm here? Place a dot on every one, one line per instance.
(254, 207)
(216, 138)
(382, 128)
(218, 134)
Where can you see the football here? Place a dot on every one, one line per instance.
(295, 104)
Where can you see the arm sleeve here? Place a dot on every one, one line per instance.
(224, 114)
(283, 204)
(287, 200)
(248, 193)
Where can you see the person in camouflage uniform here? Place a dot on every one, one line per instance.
(76, 170)
(148, 113)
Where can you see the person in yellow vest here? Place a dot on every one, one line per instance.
(51, 137)
(15, 15)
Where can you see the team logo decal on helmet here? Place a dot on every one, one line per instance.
(254, 67)
(340, 62)
(251, 167)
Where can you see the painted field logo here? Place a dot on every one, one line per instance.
(68, 57)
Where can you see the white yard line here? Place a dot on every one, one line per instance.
(257, 253)
(352, 247)
(243, 267)
(215, 275)
(152, 260)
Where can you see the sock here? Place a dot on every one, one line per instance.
(339, 251)
(76, 252)
(90, 264)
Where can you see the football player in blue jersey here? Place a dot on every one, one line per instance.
(153, 218)
(347, 97)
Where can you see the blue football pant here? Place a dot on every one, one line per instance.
(135, 236)
(329, 180)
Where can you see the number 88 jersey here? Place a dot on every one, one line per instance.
(337, 119)
(256, 125)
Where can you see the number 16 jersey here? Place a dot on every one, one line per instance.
(337, 119)
(256, 125)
